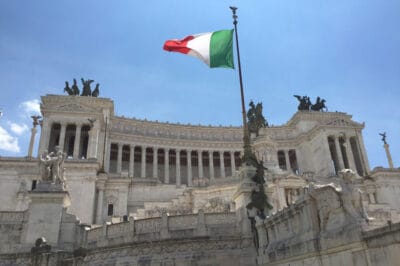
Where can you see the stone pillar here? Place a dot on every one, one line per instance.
(131, 161)
(44, 136)
(119, 159)
(287, 161)
(166, 166)
(44, 216)
(93, 141)
(107, 155)
(350, 155)
(100, 187)
(211, 164)
(178, 167)
(155, 162)
(189, 165)
(233, 166)
(143, 167)
(32, 141)
(363, 155)
(62, 137)
(339, 154)
(200, 157)
(221, 163)
(389, 157)
(77, 142)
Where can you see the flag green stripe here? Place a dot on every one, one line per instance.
(221, 53)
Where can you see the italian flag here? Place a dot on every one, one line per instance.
(213, 48)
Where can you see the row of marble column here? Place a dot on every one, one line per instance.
(77, 135)
(155, 163)
(342, 163)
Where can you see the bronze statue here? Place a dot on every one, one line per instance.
(96, 91)
(383, 137)
(67, 89)
(255, 118)
(86, 91)
(319, 105)
(36, 120)
(304, 102)
(75, 88)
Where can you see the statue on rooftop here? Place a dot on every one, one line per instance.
(75, 88)
(86, 90)
(304, 102)
(67, 89)
(255, 118)
(319, 105)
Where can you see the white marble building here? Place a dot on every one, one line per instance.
(131, 180)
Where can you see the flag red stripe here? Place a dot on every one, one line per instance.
(179, 46)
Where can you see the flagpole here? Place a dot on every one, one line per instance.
(246, 135)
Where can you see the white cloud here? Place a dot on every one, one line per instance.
(31, 107)
(18, 129)
(8, 142)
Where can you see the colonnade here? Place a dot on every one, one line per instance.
(73, 138)
(346, 153)
(170, 165)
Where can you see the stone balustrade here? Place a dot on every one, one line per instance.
(161, 228)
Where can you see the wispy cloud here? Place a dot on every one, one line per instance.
(18, 128)
(8, 142)
(31, 107)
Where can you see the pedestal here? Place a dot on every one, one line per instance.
(45, 213)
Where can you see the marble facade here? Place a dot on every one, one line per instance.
(183, 188)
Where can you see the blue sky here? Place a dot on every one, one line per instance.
(347, 52)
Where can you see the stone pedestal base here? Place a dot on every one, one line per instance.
(44, 214)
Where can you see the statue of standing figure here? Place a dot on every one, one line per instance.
(51, 166)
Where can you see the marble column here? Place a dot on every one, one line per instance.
(166, 166)
(350, 155)
(233, 166)
(77, 142)
(286, 152)
(119, 159)
(32, 141)
(61, 141)
(44, 136)
(107, 155)
(200, 157)
(143, 163)
(93, 141)
(211, 165)
(339, 153)
(388, 155)
(155, 162)
(178, 167)
(132, 161)
(99, 212)
(363, 155)
(221, 163)
(189, 167)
